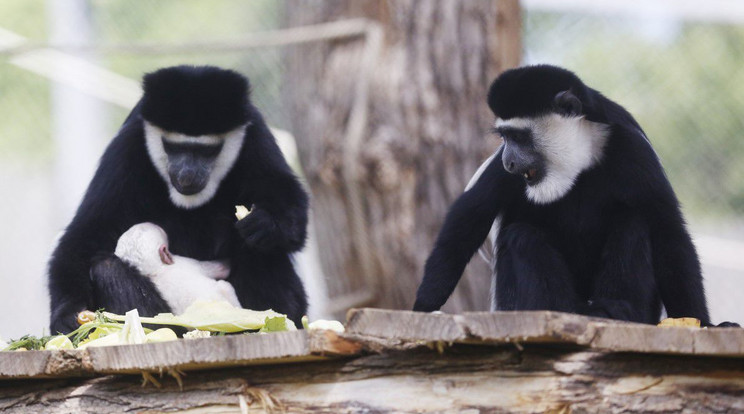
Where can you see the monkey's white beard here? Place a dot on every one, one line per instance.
(569, 145)
(233, 141)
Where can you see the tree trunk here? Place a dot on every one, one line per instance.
(423, 130)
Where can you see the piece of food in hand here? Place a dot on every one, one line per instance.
(161, 335)
(323, 324)
(241, 212)
(85, 317)
(196, 334)
(59, 342)
(689, 322)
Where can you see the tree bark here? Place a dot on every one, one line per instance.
(378, 207)
(463, 379)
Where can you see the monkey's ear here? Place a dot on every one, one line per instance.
(567, 104)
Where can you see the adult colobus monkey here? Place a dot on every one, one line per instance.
(192, 149)
(586, 220)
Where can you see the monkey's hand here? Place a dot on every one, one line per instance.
(259, 230)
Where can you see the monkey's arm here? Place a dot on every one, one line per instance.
(267, 281)
(625, 287)
(120, 288)
(84, 274)
(677, 270)
(674, 260)
(106, 211)
(465, 228)
(278, 220)
(676, 265)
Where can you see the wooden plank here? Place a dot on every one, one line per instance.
(378, 331)
(719, 341)
(19, 363)
(405, 325)
(544, 327)
(214, 352)
(724, 342)
(526, 327)
(206, 353)
(476, 327)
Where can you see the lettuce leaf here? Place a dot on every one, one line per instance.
(213, 316)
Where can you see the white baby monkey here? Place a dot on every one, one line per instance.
(180, 280)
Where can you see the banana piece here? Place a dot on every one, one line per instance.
(689, 322)
(241, 212)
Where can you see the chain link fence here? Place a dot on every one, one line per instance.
(681, 78)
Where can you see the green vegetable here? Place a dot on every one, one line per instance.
(216, 316)
(161, 335)
(105, 328)
(28, 342)
(108, 340)
(132, 332)
(275, 324)
(59, 342)
(100, 326)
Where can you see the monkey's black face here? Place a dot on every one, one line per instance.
(520, 155)
(190, 164)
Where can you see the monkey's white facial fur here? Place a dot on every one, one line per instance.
(231, 142)
(569, 146)
(140, 247)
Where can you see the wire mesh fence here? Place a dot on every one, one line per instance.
(682, 79)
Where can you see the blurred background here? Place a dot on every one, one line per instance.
(380, 106)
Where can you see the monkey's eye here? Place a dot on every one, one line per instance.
(516, 135)
(202, 150)
(210, 151)
(497, 133)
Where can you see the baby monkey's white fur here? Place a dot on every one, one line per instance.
(181, 282)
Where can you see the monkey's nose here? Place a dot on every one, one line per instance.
(509, 167)
(186, 178)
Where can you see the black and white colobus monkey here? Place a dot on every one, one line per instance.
(192, 149)
(586, 220)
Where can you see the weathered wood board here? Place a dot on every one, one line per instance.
(544, 327)
(399, 362)
(376, 330)
(181, 355)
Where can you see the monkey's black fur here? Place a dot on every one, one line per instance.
(127, 189)
(614, 246)
(195, 100)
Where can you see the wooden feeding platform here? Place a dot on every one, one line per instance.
(398, 362)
